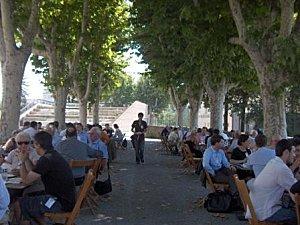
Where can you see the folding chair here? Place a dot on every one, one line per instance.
(189, 158)
(93, 164)
(247, 203)
(215, 186)
(69, 217)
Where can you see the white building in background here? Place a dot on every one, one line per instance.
(204, 119)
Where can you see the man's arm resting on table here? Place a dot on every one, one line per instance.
(28, 177)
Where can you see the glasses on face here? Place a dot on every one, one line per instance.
(23, 142)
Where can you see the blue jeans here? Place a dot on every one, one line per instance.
(139, 146)
(286, 216)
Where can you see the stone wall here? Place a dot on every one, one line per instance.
(154, 132)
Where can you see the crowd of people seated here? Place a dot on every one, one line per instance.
(40, 156)
(271, 168)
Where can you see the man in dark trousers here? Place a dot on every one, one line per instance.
(139, 127)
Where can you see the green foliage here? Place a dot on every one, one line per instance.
(148, 92)
(123, 94)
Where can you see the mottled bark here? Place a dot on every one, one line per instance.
(225, 116)
(179, 103)
(13, 60)
(12, 75)
(194, 98)
(274, 112)
(216, 102)
(271, 80)
(216, 94)
(179, 115)
(96, 112)
(83, 111)
(60, 100)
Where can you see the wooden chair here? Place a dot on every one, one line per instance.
(215, 186)
(247, 203)
(297, 204)
(166, 145)
(91, 199)
(69, 217)
(189, 158)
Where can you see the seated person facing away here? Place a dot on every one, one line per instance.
(82, 135)
(274, 140)
(267, 189)
(4, 201)
(174, 139)
(241, 152)
(295, 167)
(216, 163)
(14, 157)
(73, 149)
(57, 177)
(259, 159)
(193, 144)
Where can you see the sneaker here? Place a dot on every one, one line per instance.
(142, 161)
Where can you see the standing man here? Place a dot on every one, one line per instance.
(139, 127)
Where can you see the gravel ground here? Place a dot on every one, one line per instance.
(160, 192)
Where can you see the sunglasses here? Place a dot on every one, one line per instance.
(23, 142)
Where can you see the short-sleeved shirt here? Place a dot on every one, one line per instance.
(100, 147)
(83, 137)
(259, 159)
(14, 160)
(139, 127)
(57, 178)
(267, 189)
(238, 154)
(73, 149)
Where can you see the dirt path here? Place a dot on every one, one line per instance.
(156, 193)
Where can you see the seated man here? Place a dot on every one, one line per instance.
(99, 147)
(217, 165)
(23, 143)
(57, 177)
(259, 159)
(73, 149)
(267, 189)
(82, 135)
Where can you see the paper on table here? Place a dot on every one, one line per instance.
(15, 180)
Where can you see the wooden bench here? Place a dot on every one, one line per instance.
(69, 217)
(247, 203)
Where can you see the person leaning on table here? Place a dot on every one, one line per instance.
(57, 177)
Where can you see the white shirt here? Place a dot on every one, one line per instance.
(14, 160)
(31, 131)
(267, 189)
(4, 198)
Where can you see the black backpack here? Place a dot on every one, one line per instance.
(218, 202)
(124, 143)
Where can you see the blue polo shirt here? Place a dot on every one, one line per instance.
(101, 147)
